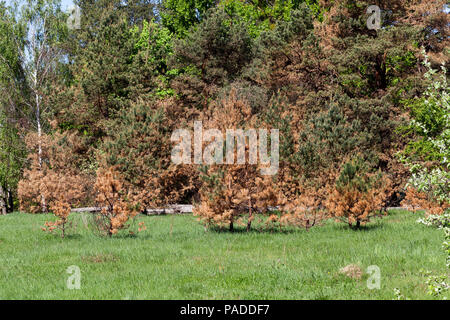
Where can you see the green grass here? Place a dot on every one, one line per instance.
(189, 263)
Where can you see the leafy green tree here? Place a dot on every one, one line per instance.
(36, 29)
(431, 126)
(150, 60)
(180, 15)
(263, 15)
(11, 79)
(430, 121)
(12, 157)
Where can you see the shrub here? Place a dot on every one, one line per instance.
(230, 192)
(358, 195)
(429, 160)
(305, 211)
(116, 203)
(417, 200)
(61, 209)
(238, 193)
(139, 148)
(429, 154)
(54, 177)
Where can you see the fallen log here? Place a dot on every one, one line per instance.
(172, 209)
(187, 208)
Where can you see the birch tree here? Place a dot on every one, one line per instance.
(38, 31)
(12, 152)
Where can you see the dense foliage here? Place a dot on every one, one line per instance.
(111, 93)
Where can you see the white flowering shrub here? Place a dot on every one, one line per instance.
(428, 156)
(437, 285)
(439, 221)
(432, 117)
(434, 182)
(431, 186)
(398, 295)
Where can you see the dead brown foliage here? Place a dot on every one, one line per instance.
(355, 205)
(416, 201)
(116, 203)
(51, 179)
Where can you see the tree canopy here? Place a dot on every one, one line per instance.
(111, 93)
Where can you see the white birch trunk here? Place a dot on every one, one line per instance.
(39, 132)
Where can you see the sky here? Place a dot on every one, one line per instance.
(65, 4)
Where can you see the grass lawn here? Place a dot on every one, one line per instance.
(176, 259)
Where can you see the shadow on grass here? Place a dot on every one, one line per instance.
(74, 236)
(264, 229)
(256, 230)
(363, 228)
(125, 236)
(67, 237)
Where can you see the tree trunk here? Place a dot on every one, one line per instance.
(2, 201)
(250, 215)
(231, 226)
(10, 201)
(39, 132)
